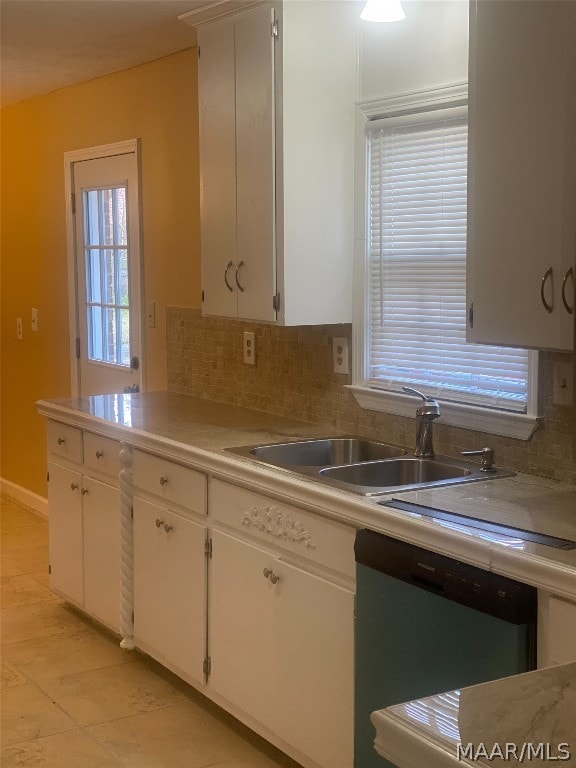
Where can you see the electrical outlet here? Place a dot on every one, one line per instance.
(34, 319)
(249, 348)
(341, 354)
(19, 329)
(563, 383)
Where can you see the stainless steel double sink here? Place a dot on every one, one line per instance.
(366, 467)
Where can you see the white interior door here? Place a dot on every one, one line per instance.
(107, 246)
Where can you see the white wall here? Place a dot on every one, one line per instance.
(428, 48)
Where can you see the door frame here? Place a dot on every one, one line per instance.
(130, 146)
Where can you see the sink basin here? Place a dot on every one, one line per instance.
(379, 477)
(325, 452)
(366, 467)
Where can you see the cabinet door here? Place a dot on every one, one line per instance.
(522, 163)
(241, 635)
(65, 533)
(170, 588)
(217, 104)
(101, 515)
(281, 644)
(314, 666)
(255, 161)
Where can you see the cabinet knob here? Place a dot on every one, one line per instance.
(99, 454)
(163, 480)
(61, 441)
(168, 528)
(84, 491)
(74, 486)
(269, 574)
(159, 523)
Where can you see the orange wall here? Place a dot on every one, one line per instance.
(156, 102)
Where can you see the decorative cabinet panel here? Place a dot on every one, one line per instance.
(170, 588)
(277, 91)
(522, 174)
(281, 648)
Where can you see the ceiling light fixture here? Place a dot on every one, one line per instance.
(383, 10)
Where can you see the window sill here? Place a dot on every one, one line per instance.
(520, 426)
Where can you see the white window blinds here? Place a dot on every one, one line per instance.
(417, 269)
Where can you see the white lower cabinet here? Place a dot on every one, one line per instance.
(84, 537)
(170, 588)
(281, 648)
(556, 630)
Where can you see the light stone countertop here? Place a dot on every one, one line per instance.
(196, 432)
(534, 712)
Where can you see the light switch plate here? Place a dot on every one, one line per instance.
(341, 354)
(563, 383)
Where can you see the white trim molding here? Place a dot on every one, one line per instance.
(520, 426)
(24, 496)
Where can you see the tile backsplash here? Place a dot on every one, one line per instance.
(293, 376)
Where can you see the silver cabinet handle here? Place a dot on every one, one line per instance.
(74, 486)
(163, 480)
(238, 268)
(567, 307)
(61, 441)
(548, 274)
(230, 264)
(159, 523)
(99, 454)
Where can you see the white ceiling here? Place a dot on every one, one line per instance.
(48, 44)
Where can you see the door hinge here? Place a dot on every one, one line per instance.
(132, 513)
(49, 569)
(78, 348)
(276, 302)
(275, 30)
(202, 296)
(207, 668)
(208, 548)
(471, 315)
(73, 201)
(47, 477)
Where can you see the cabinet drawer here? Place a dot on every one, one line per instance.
(170, 481)
(65, 441)
(102, 454)
(326, 542)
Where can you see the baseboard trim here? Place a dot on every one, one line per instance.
(18, 493)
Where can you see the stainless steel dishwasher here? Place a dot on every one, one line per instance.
(425, 624)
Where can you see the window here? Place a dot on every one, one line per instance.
(415, 275)
(107, 276)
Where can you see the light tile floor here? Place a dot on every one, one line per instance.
(70, 698)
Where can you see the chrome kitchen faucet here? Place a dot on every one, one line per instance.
(426, 413)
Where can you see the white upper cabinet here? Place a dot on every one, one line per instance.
(277, 99)
(522, 173)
